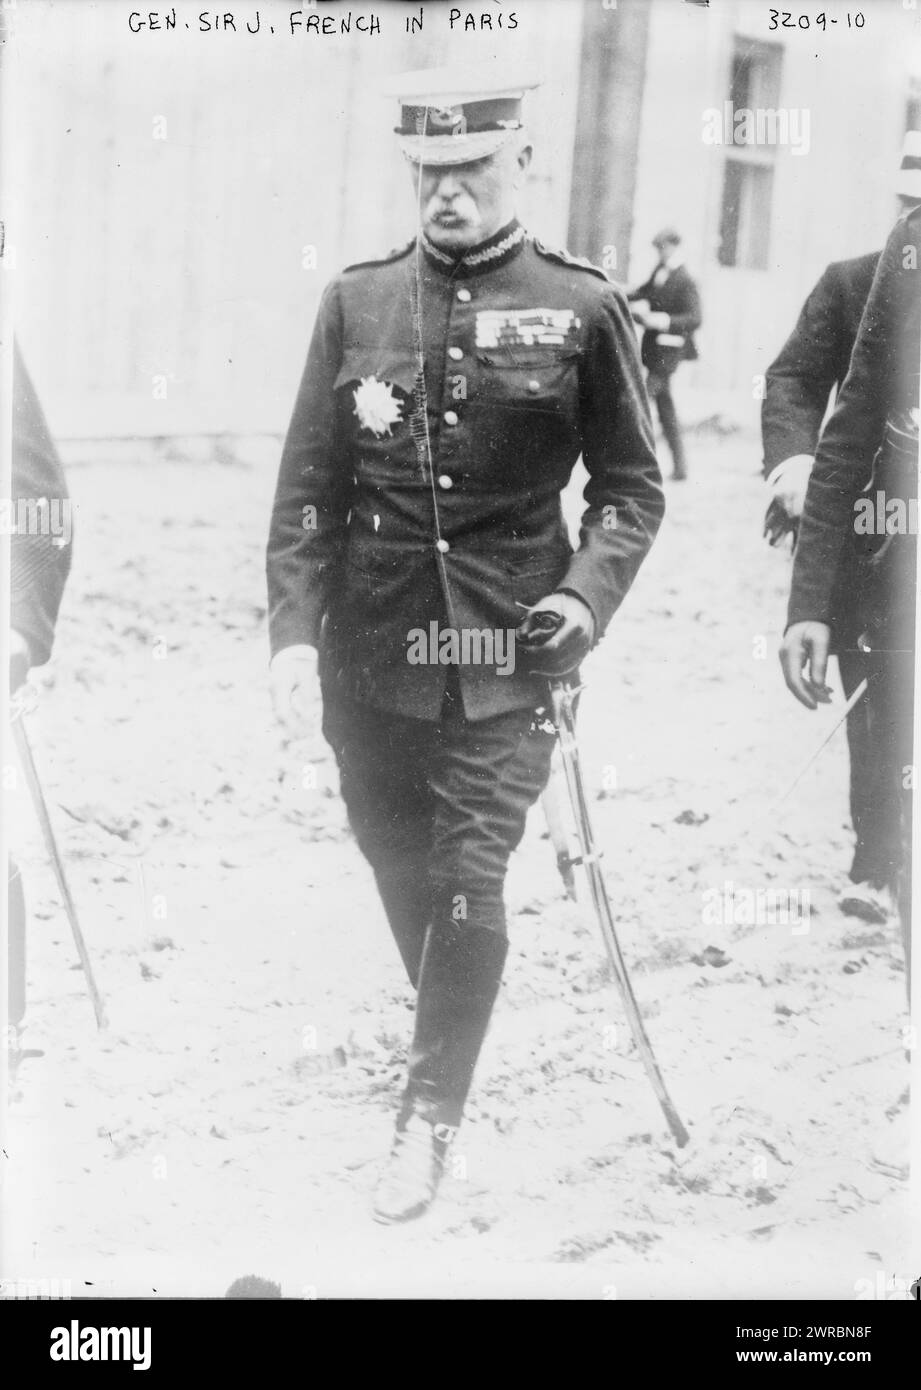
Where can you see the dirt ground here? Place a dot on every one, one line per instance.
(234, 1117)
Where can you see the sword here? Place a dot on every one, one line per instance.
(563, 697)
(41, 810)
(856, 695)
(552, 801)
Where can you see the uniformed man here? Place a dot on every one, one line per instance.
(40, 557)
(667, 306)
(811, 366)
(450, 388)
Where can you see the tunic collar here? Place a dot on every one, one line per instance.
(497, 250)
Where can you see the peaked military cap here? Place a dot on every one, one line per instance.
(457, 115)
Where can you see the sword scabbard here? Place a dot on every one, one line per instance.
(30, 772)
(563, 699)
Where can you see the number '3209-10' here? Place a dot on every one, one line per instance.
(786, 19)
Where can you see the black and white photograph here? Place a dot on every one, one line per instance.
(459, 516)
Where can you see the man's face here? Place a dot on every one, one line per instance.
(463, 204)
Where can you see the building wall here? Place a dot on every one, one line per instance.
(612, 73)
(177, 264)
(836, 201)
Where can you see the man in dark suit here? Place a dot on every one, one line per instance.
(867, 461)
(668, 308)
(811, 365)
(449, 389)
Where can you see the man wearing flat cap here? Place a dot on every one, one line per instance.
(667, 306)
(450, 388)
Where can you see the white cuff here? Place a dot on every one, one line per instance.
(797, 461)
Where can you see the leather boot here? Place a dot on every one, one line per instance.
(414, 1168)
(460, 977)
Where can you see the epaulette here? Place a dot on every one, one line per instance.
(395, 255)
(565, 258)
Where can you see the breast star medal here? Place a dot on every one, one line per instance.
(376, 406)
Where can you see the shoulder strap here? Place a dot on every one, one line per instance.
(553, 253)
(395, 255)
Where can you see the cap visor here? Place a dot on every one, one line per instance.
(453, 149)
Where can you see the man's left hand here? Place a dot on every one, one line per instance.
(564, 649)
(804, 659)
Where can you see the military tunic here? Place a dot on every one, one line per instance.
(530, 361)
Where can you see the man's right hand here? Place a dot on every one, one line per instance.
(788, 483)
(293, 673)
(805, 649)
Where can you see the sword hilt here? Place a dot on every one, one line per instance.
(563, 699)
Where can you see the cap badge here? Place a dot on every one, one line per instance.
(447, 120)
(376, 406)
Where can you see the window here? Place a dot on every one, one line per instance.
(746, 214)
(748, 176)
(755, 75)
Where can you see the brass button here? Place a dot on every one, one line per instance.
(455, 353)
(451, 417)
(533, 386)
(444, 481)
(464, 296)
(442, 546)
